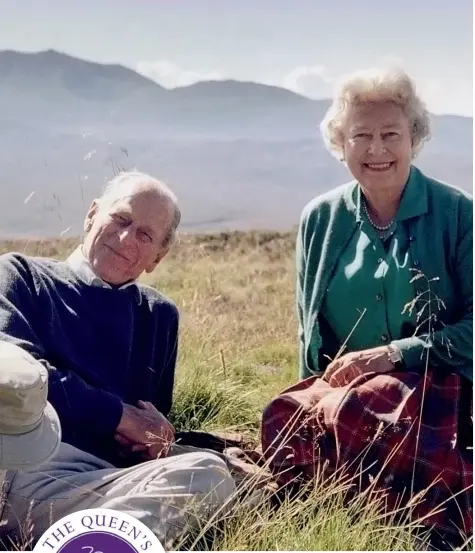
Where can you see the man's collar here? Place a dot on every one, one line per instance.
(83, 270)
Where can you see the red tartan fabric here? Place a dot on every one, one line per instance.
(372, 424)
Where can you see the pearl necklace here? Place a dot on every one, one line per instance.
(377, 227)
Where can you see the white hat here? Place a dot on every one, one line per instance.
(30, 431)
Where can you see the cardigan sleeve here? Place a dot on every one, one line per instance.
(452, 346)
(300, 271)
(326, 224)
(306, 366)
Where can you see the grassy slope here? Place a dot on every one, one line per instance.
(238, 348)
(235, 293)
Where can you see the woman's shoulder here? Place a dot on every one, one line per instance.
(444, 191)
(329, 201)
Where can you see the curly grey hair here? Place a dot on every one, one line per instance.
(375, 85)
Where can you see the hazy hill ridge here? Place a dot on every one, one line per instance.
(238, 154)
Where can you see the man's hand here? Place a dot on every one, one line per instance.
(144, 429)
(353, 364)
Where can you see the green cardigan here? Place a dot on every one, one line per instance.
(440, 224)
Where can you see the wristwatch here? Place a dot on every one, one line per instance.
(395, 356)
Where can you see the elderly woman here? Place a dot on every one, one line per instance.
(384, 296)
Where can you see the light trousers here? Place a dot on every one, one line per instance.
(170, 496)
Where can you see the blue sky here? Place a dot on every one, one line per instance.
(300, 44)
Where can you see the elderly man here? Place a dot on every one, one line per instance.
(110, 347)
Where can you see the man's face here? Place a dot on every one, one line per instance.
(126, 238)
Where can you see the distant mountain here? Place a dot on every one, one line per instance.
(81, 78)
(238, 154)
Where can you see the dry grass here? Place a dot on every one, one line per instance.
(238, 348)
(235, 293)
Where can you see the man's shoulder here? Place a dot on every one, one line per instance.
(158, 300)
(34, 269)
(327, 202)
(21, 261)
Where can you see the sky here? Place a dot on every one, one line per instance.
(303, 45)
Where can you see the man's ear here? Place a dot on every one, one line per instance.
(163, 252)
(89, 220)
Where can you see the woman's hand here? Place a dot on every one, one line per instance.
(354, 364)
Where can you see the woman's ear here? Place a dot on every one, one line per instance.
(342, 153)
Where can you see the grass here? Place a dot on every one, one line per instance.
(238, 349)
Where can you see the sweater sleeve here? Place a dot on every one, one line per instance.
(452, 346)
(164, 394)
(75, 401)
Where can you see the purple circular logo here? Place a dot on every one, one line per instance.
(98, 531)
(97, 542)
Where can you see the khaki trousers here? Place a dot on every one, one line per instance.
(168, 495)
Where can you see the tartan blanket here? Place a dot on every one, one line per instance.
(397, 432)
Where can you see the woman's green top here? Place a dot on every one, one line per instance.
(424, 268)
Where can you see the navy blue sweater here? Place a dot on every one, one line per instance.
(102, 347)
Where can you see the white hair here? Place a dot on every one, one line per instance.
(123, 185)
(375, 86)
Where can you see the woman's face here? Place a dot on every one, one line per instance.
(377, 145)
